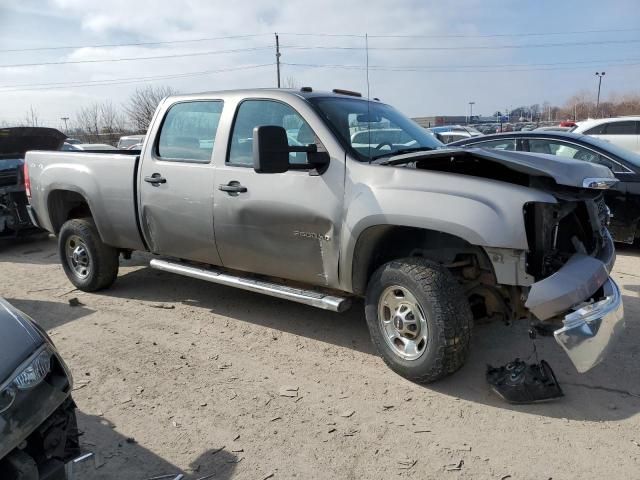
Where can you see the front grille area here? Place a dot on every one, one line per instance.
(555, 232)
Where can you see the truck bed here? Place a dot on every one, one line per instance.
(107, 182)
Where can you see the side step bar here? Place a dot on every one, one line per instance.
(308, 297)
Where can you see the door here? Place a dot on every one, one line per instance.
(285, 225)
(176, 183)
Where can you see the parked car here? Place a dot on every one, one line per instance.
(38, 431)
(623, 198)
(72, 141)
(14, 142)
(127, 141)
(452, 133)
(429, 237)
(622, 131)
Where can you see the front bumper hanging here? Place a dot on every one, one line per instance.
(589, 332)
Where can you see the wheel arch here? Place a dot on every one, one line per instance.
(379, 244)
(64, 205)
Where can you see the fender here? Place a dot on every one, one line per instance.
(483, 212)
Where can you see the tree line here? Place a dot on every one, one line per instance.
(106, 122)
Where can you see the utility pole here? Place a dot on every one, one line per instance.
(471, 104)
(278, 57)
(599, 75)
(65, 119)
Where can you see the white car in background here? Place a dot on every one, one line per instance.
(621, 131)
(127, 141)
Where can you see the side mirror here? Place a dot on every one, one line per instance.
(270, 149)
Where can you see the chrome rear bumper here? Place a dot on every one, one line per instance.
(589, 332)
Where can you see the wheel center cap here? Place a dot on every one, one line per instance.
(398, 323)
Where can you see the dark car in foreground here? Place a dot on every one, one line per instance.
(623, 198)
(14, 143)
(38, 433)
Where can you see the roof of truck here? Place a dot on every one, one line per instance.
(304, 92)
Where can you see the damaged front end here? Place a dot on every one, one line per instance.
(571, 256)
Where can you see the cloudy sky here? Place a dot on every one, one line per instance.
(426, 57)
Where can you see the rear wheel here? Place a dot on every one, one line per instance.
(89, 264)
(419, 319)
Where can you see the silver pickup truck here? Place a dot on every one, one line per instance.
(276, 191)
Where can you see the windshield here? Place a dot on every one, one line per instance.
(623, 153)
(373, 130)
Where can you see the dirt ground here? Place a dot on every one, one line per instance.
(175, 375)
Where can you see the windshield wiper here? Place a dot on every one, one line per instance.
(403, 150)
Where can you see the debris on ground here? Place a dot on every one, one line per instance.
(407, 464)
(521, 383)
(74, 302)
(452, 467)
(347, 413)
(164, 306)
(288, 391)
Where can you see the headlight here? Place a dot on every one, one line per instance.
(34, 372)
(29, 375)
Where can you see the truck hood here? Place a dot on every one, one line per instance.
(489, 162)
(19, 338)
(18, 140)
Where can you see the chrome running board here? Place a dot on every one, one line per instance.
(308, 297)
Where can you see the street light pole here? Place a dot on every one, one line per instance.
(65, 119)
(471, 104)
(599, 75)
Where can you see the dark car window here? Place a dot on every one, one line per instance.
(571, 150)
(620, 128)
(626, 155)
(597, 130)
(255, 113)
(189, 130)
(501, 144)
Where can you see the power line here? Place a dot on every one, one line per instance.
(596, 62)
(138, 44)
(443, 69)
(126, 59)
(120, 81)
(468, 47)
(491, 35)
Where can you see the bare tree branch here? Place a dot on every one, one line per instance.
(142, 104)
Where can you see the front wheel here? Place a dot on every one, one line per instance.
(89, 264)
(419, 319)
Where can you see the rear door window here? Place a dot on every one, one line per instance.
(189, 131)
(620, 128)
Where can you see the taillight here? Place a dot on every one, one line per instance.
(27, 180)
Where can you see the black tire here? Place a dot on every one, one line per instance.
(102, 260)
(445, 310)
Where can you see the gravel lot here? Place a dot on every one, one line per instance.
(178, 375)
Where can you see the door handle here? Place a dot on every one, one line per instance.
(233, 187)
(155, 179)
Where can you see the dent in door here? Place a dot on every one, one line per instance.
(292, 240)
